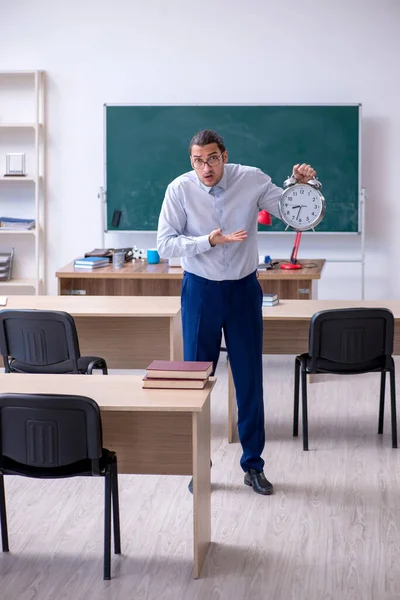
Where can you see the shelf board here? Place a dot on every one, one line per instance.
(19, 178)
(19, 125)
(19, 283)
(17, 231)
(8, 73)
(16, 178)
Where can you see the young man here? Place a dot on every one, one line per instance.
(209, 218)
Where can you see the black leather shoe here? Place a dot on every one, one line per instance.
(258, 482)
(190, 486)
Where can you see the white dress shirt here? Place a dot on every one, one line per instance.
(191, 211)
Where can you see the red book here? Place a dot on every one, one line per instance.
(179, 369)
(186, 384)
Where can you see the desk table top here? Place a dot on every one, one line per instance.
(111, 392)
(299, 310)
(100, 306)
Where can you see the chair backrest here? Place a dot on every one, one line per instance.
(49, 431)
(38, 337)
(358, 338)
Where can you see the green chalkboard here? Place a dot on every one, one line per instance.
(147, 147)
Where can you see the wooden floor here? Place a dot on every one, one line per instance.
(331, 531)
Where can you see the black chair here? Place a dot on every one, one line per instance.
(346, 342)
(55, 436)
(41, 341)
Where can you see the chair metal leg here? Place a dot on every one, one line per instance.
(3, 515)
(107, 525)
(90, 367)
(296, 397)
(393, 405)
(115, 506)
(304, 406)
(382, 402)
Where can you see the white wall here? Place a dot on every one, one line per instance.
(224, 51)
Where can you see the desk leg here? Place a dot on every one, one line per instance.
(314, 289)
(175, 338)
(232, 406)
(201, 488)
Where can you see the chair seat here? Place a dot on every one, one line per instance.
(64, 367)
(329, 366)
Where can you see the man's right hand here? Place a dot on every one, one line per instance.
(217, 237)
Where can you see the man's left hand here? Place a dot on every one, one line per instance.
(303, 173)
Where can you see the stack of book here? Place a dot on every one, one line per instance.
(11, 223)
(91, 262)
(177, 374)
(264, 266)
(6, 265)
(270, 299)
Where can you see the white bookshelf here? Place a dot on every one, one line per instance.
(22, 129)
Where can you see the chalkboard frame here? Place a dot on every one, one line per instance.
(360, 208)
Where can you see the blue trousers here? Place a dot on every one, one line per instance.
(208, 307)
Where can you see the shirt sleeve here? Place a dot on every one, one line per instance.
(171, 223)
(270, 194)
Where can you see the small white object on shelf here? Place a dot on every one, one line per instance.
(15, 163)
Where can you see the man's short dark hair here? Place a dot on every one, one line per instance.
(205, 137)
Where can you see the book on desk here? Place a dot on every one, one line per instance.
(92, 262)
(177, 374)
(270, 300)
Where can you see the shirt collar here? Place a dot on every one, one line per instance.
(222, 184)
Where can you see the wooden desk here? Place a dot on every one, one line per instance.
(141, 427)
(138, 278)
(127, 332)
(286, 332)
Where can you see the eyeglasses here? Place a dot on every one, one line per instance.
(213, 161)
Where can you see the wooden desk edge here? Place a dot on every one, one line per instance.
(148, 408)
(69, 272)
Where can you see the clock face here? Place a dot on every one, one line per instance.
(301, 206)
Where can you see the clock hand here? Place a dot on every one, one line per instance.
(300, 207)
(294, 207)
